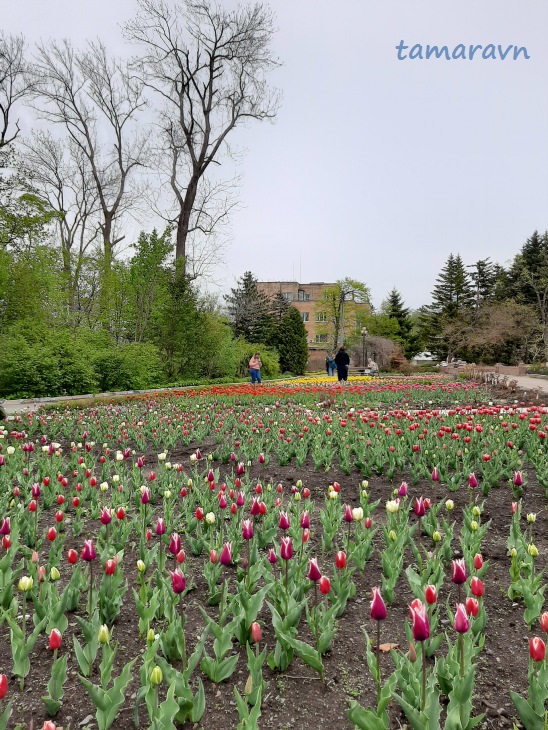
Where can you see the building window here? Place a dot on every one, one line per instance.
(321, 338)
(321, 317)
(288, 296)
(305, 316)
(303, 296)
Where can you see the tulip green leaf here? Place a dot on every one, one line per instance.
(366, 719)
(530, 719)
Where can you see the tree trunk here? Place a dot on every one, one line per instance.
(183, 223)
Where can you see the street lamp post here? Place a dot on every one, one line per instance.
(364, 335)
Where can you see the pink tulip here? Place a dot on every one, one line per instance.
(314, 572)
(378, 607)
(421, 627)
(462, 624)
(458, 574)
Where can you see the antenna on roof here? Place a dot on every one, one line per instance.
(300, 270)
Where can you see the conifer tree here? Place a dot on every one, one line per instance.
(248, 311)
(292, 344)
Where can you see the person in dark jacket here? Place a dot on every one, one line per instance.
(342, 362)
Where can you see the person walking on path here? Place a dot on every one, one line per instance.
(255, 365)
(342, 361)
(330, 365)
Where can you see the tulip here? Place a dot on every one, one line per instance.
(421, 627)
(110, 567)
(402, 491)
(247, 529)
(472, 606)
(226, 554)
(120, 513)
(478, 561)
(416, 603)
(518, 479)
(5, 526)
(272, 557)
(6, 542)
(435, 474)
(325, 585)
(213, 557)
(49, 725)
(174, 543)
(458, 573)
(286, 548)
(54, 574)
(430, 594)
(544, 622)
(55, 639)
(25, 584)
(145, 496)
(178, 581)
(160, 526)
(3, 686)
(378, 607)
(156, 676)
(256, 634)
(240, 469)
(141, 567)
(88, 551)
(476, 587)
(357, 514)
(348, 517)
(72, 557)
(314, 573)
(284, 521)
(462, 624)
(51, 534)
(472, 481)
(223, 504)
(105, 517)
(180, 557)
(305, 520)
(199, 514)
(340, 559)
(537, 649)
(420, 509)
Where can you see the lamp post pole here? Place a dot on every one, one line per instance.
(364, 335)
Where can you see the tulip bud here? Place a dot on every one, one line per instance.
(436, 536)
(55, 639)
(476, 587)
(340, 560)
(378, 608)
(532, 550)
(412, 652)
(103, 636)
(156, 676)
(150, 636)
(141, 567)
(25, 584)
(472, 606)
(544, 622)
(458, 571)
(462, 624)
(54, 574)
(531, 517)
(430, 594)
(478, 561)
(3, 686)
(449, 505)
(325, 585)
(537, 649)
(314, 573)
(256, 634)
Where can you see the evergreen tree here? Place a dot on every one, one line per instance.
(453, 291)
(395, 309)
(278, 307)
(248, 311)
(292, 344)
(484, 279)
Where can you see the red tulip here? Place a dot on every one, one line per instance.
(458, 574)
(226, 554)
(72, 556)
(3, 686)
(6, 542)
(174, 543)
(472, 481)
(340, 560)
(247, 529)
(537, 649)
(160, 526)
(416, 603)
(314, 572)
(49, 725)
(180, 557)
(420, 509)
(462, 624)
(284, 521)
(348, 516)
(105, 517)
(544, 622)
(59, 516)
(32, 506)
(378, 608)
(120, 513)
(178, 581)
(5, 526)
(286, 548)
(478, 561)
(51, 534)
(430, 594)
(476, 587)
(306, 535)
(325, 585)
(110, 567)
(472, 606)
(421, 627)
(213, 557)
(55, 639)
(199, 514)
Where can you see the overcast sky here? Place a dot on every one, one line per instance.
(376, 168)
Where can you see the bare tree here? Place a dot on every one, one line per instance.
(59, 172)
(209, 67)
(15, 84)
(97, 100)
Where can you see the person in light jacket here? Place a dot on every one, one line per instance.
(255, 365)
